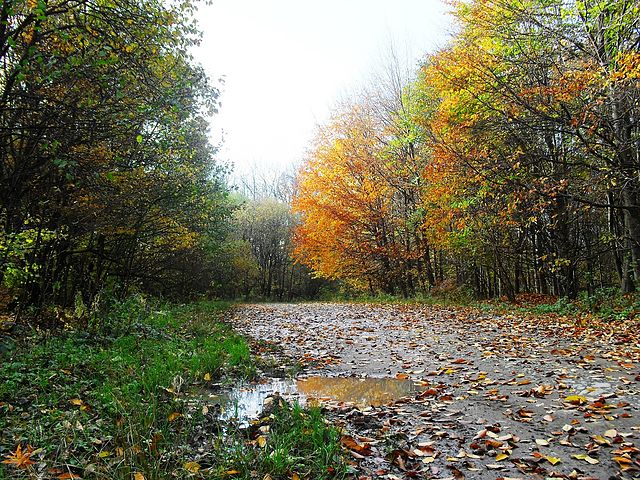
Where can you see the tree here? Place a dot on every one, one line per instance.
(104, 153)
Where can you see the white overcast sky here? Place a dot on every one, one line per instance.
(286, 63)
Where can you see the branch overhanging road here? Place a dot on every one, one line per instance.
(502, 396)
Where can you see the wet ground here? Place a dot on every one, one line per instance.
(244, 403)
(491, 396)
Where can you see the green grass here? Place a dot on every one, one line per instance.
(301, 442)
(115, 399)
(297, 441)
(102, 400)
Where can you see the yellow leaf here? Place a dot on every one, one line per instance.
(232, 472)
(295, 476)
(193, 467)
(552, 460)
(174, 416)
(104, 453)
(262, 441)
(76, 401)
(575, 399)
(599, 439)
(586, 458)
(207, 377)
(138, 476)
(501, 456)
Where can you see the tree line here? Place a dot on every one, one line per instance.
(508, 163)
(107, 178)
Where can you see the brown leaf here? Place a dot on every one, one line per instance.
(20, 458)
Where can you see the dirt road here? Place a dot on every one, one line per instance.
(499, 397)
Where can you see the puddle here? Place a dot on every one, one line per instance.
(246, 401)
(361, 391)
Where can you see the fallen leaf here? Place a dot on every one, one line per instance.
(20, 458)
(548, 458)
(600, 440)
(354, 446)
(623, 461)
(525, 413)
(586, 458)
(576, 399)
(192, 467)
(174, 416)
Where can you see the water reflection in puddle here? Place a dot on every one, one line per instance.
(247, 401)
(361, 391)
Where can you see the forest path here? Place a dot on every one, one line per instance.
(500, 396)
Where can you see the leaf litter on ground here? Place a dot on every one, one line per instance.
(517, 395)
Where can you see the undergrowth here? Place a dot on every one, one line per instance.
(118, 398)
(606, 304)
(99, 403)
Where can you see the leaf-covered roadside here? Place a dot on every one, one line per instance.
(84, 404)
(502, 395)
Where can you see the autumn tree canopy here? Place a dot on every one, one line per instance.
(510, 163)
(106, 173)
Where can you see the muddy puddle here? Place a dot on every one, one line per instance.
(246, 402)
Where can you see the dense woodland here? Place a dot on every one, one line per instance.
(507, 162)
(108, 182)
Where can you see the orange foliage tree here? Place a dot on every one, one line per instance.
(526, 173)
